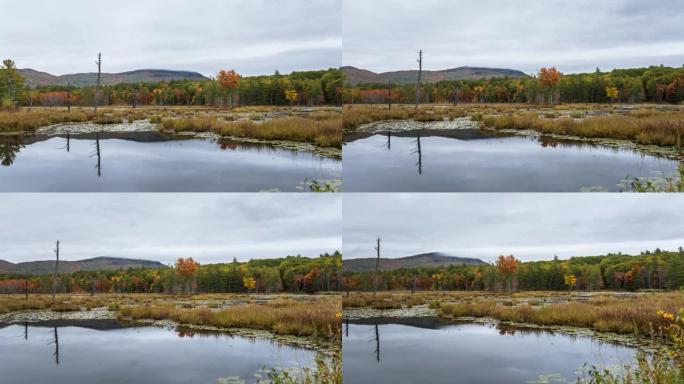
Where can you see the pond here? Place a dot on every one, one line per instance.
(105, 351)
(153, 162)
(466, 160)
(429, 350)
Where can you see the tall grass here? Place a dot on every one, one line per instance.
(604, 315)
(654, 128)
(319, 319)
(323, 132)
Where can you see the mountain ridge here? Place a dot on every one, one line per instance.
(422, 260)
(36, 78)
(363, 76)
(98, 263)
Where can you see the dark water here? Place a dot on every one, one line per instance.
(149, 162)
(102, 352)
(430, 351)
(467, 161)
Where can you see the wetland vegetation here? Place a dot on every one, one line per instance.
(284, 132)
(625, 300)
(630, 121)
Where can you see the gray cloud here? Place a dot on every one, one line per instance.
(573, 35)
(530, 226)
(251, 36)
(209, 227)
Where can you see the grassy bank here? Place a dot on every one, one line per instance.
(321, 131)
(284, 317)
(653, 128)
(319, 126)
(601, 312)
(637, 315)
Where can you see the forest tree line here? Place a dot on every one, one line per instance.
(655, 84)
(289, 274)
(227, 89)
(650, 270)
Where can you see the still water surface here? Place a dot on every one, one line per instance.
(470, 161)
(151, 162)
(107, 352)
(428, 350)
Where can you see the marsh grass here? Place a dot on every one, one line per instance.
(652, 128)
(634, 315)
(647, 125)
(323, 132)
(317, 319)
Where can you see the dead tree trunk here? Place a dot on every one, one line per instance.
(26, 285)
(54, 276)
(69, 98)
(420, 75)
(389, 95)
(377, 268)
(99, 73)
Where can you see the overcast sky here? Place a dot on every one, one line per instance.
(251, 36)
(162, 227)
(573, 35)
(529, 226)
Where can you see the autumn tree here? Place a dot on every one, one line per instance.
(186, 268)
(291, 95)
(249, 283)
(612, 93)
(507, 266)
(549, 79)
(570, 281)
(228, 81)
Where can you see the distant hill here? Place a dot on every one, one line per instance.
(35, 78)
(362, 76)
(423, 260)
(94, 264)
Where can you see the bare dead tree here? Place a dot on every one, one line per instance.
(389, 94)
(420, 75)
(377, 268)
(68, 97)
(26, 285)
(99, 73)
(413, 283)
(54, 276)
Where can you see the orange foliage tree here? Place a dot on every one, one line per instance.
(228, 81)
(549, 79)
(507, 266)
(186, 268)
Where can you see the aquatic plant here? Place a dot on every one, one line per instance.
(673, 183)
(662, 367)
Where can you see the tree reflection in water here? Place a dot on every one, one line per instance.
(10, 146)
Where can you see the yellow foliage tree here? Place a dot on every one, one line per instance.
(570, 281)
(249, 283)
(612, 93)
(291, 95)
